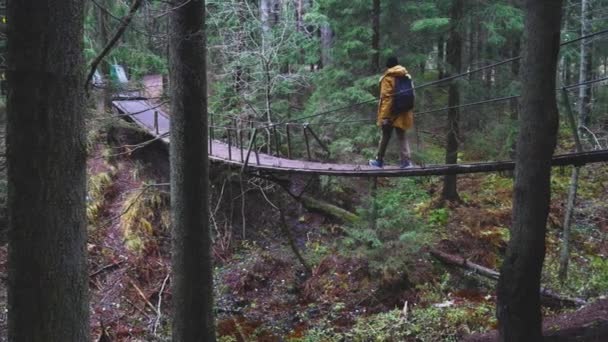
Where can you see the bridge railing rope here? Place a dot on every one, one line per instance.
(280, 140)
(433, 83)
(251, 136)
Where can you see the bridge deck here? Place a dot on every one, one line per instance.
(142, 112)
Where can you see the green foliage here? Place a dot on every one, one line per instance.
(587, 274)
(386, 326)
(495, 141)
(422, 324)
(97, 186)
(506, 21)
(599, 275)
(431, 24)
(141, 211)
(399, 231)
(438, 217)
(141, 62)
(451, 323)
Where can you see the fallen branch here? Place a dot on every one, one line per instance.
(548, 297)
(143, 296)
(464, 263)
(121, 30)
(160, 301)
(107, 267)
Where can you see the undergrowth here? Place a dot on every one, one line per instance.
(142, 210)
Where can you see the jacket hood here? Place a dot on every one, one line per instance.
(396, 71)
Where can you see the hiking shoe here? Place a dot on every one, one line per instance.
(376, 163)
(406, 164)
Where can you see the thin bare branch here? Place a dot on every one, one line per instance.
(121, 30)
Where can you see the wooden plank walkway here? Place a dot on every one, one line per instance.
(143, 113)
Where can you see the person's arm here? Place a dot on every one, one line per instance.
(387, 86)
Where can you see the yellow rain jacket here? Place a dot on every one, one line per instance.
(404, 120)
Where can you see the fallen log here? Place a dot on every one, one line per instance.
(328, 208)
(548, 297)
(464, 263)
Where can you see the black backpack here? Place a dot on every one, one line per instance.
(403, 98)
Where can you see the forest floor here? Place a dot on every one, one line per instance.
(366, 283)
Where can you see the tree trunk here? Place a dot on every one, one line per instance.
(265, 11)
(376, 36)
(440, 57)
(586, 69)
(327, 37)
(192, 265)
(564, 257)
(454, 59)
(104, 38)
(518, 307)
(515, 67)
(46, 153)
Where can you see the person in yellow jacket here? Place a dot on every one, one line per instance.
(388, 121)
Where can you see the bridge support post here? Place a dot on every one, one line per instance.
(240, 135)
(314, 135)
(287, 131)
(251, 144)
(156, 122)
(305, 129)
(229, 133)
(211, 134)
(276, 140)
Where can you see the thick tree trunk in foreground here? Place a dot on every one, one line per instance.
(518, 307)
(454, 59)
(192, 273)
(48, 282)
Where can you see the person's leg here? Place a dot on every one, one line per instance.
(387, 129)
(404, 145)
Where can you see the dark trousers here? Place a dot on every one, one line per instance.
(404, 146)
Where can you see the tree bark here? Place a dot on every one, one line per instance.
(454, 59)
(192, 265)
(265, 11)
(48, 282)
(104, 38)
(518, 307)
(440, 57)
(564, 257)
(327, 37)
(586, 70)
(375, 36)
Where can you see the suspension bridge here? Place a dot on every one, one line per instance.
(238, 144)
